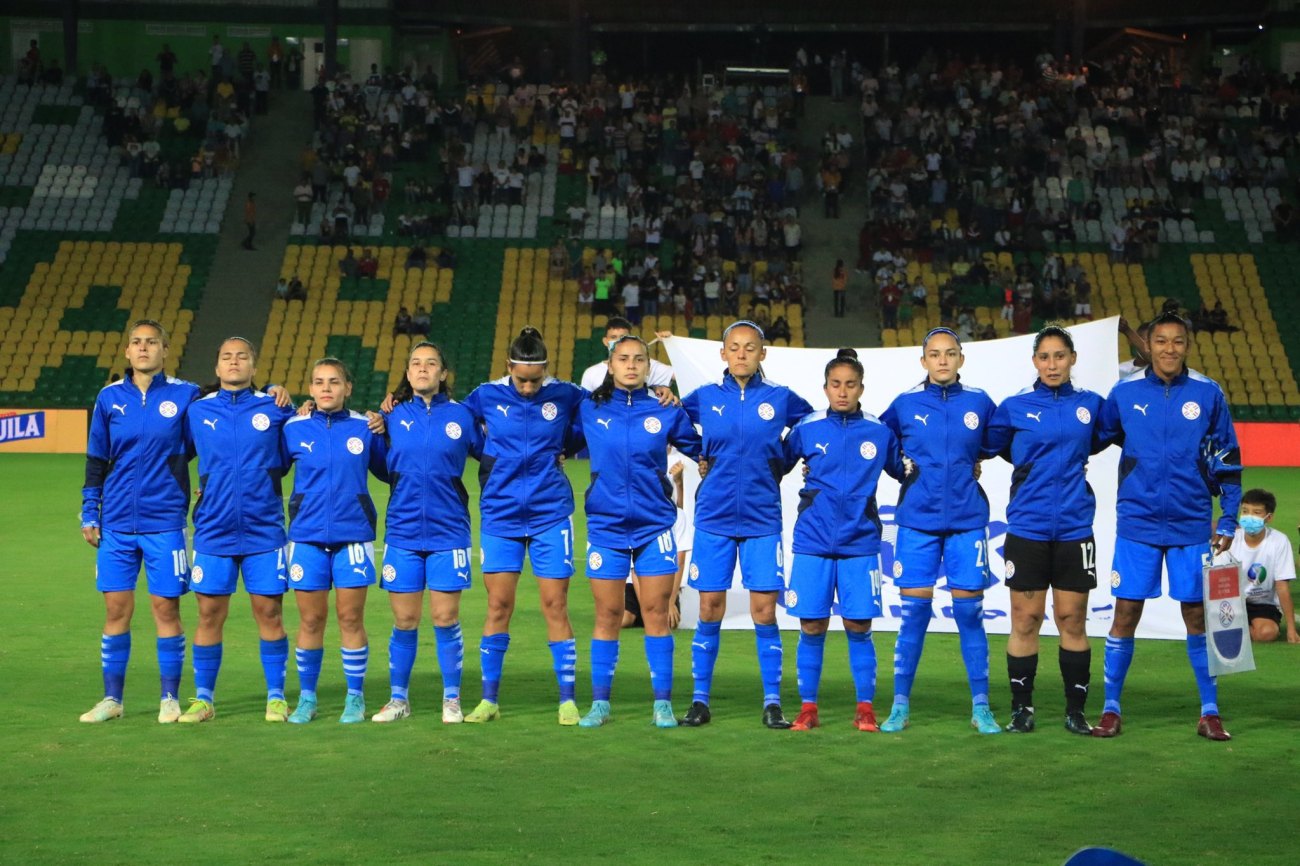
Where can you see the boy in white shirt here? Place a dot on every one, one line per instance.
(1266, 559)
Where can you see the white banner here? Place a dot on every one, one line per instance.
(1001, 368)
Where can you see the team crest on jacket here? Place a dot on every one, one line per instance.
(1083, 414)
(898, 568)
(549, 411)
(355, 445)
(867, 450)
(971, 420)
(295, 572)
(1011, 569)
(766, 412)
(595, 559)
(261, 422)
(1191, 410)
(452, 430)
(390, 573)
(652, 425)
(196, 574)
(167, 409)
(791, 598)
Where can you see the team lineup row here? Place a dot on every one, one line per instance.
(1179, 452)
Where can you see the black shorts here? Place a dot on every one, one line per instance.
(632, 605)
(1035, 565)
(1263, 611)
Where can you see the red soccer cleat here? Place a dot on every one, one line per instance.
(1108, 727)
(865, 718)
(807, 718)
(1211, 727)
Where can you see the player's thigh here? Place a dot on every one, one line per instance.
(608, 563)
(917, 555)
(117, 561)
(551, 551)
(1074, 565)
(310, 567)
(1183, 565)
(812, 586)
(499, 554)
(166, 563)
(966, 560)
(1135, 570)
(264, 573)
(657, 556)
(1028, 564)
(713, 562)
(857, 586)
(213, 574)
(762, 563)
(353, 565)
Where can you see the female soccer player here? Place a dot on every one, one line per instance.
(738, 511)
(527, 506)
(332, 532)
(133, 511)
(1047, 432)
(238, 523)
(836, 549)
(630, 516)
(426, 540)
(943, 518)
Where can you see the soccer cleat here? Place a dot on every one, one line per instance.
(1075, 723)
(1211, 727)
(775, 719)
(597, 716)
(1108, 727)
(981, 719)
(304, 713)
(663, 715)
(277, 710)
(1022, 721)
(486, 711)
(451, 714)
(199, 711)
(354, 710)
(865, 717)
(807, 718)
(569, 715)
(169, 710)
(104, 711)
(392, 711)
(697, 715)
(899, 718)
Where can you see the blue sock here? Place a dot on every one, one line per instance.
(171, 660)
(659, 655)
(907, 649)
(768, 640)
(1119, 655)
(207, 664)
(604, 658)
(1205, 684)
(451, 658)
(704, 655)
(493, 647)
(275, 656)
(114, 652)
(969, 613)
(355, 662)
(862, 662)
(402, 647)
(309, 662)
(808, 664)
(564, 661)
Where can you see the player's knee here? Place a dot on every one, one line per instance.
(166, 611)
(406, 620)
(712, 609)
(351, 619)
(1026, 624)
(814, 626)
(441, 619)
(1070, 622)
(1263, 630)
(313, 622)
(555, 607)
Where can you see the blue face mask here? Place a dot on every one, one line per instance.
(1251, 524)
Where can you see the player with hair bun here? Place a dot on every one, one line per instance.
(331, 533)
(943, 518)
(835, 555)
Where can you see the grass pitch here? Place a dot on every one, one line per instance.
(522, 789)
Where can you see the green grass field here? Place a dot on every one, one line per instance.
(240, 790)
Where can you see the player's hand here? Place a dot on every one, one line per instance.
(1292, 636)
(282, 397)
(376, 423)
(806, 470)
(91, 534)
(1221, 543)
(675, 471)
(979, 469)
(388, 405)
(909, 466)
(664, 335)
(666, 396)
(704, 468)
(308, 406)
(675, 615)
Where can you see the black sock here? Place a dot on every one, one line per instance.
(1021, 671)
(1076, 671)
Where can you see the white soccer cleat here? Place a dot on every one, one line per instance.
(104, 711)
(451, 712)
(169, 710)
(392, 711)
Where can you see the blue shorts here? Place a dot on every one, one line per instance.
(166, 563)
(418, 570)
(344, 566)
(264, 573)
(816, 581)
(655, 557)
(713, 562)
(1135, 570)
(550, 551)
(965, 558)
